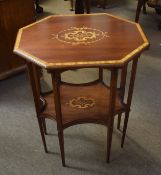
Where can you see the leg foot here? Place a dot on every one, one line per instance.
(44, 126)
(109, 143)
(42, 134)
(61, 144)
(125, 128)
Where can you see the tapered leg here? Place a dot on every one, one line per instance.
(61, 143)
(42, 134)
(100, 74)
(122, 88)
(44, 126)
(113, 88)
(129, 99)
(125, 128)
(56, 79)
(35, 85)
(109, 142)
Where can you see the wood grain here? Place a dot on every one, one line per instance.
(125, 41)
(97, 114)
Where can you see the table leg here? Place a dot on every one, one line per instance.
(35, 85)
(129, 99)
(112, 100)
(44, 126)
(79, 7)
(122, 87)
(100, 74)
(56, 89)
(38, 72)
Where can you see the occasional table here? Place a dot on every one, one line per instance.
(60, 43)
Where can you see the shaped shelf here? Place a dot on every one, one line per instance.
(82, 104)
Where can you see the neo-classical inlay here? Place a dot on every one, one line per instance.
(80, 35)
(81, 102)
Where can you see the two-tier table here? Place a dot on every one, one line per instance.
(60, 43)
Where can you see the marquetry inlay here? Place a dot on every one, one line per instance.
(80, 35)
(82, 102)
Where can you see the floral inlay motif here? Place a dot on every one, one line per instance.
(80, 35)
(82, 102)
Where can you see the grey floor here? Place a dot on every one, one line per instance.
(21, 150)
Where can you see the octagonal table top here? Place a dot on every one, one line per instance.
(88, 40)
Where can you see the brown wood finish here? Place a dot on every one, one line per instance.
(13, 15)
(94, 102)
(129, 99)
(70, 115)
(112, 31)
(34, 79)
(112, 102)
(58, 111)
(122, 88)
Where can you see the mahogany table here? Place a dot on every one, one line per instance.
(60, 43)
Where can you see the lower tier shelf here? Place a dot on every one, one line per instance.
(82, 104)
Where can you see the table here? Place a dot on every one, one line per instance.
(60, 43)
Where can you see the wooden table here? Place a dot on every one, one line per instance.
(60, 43)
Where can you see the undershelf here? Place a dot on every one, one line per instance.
(94, 108)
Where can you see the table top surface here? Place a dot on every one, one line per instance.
(81, 41)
